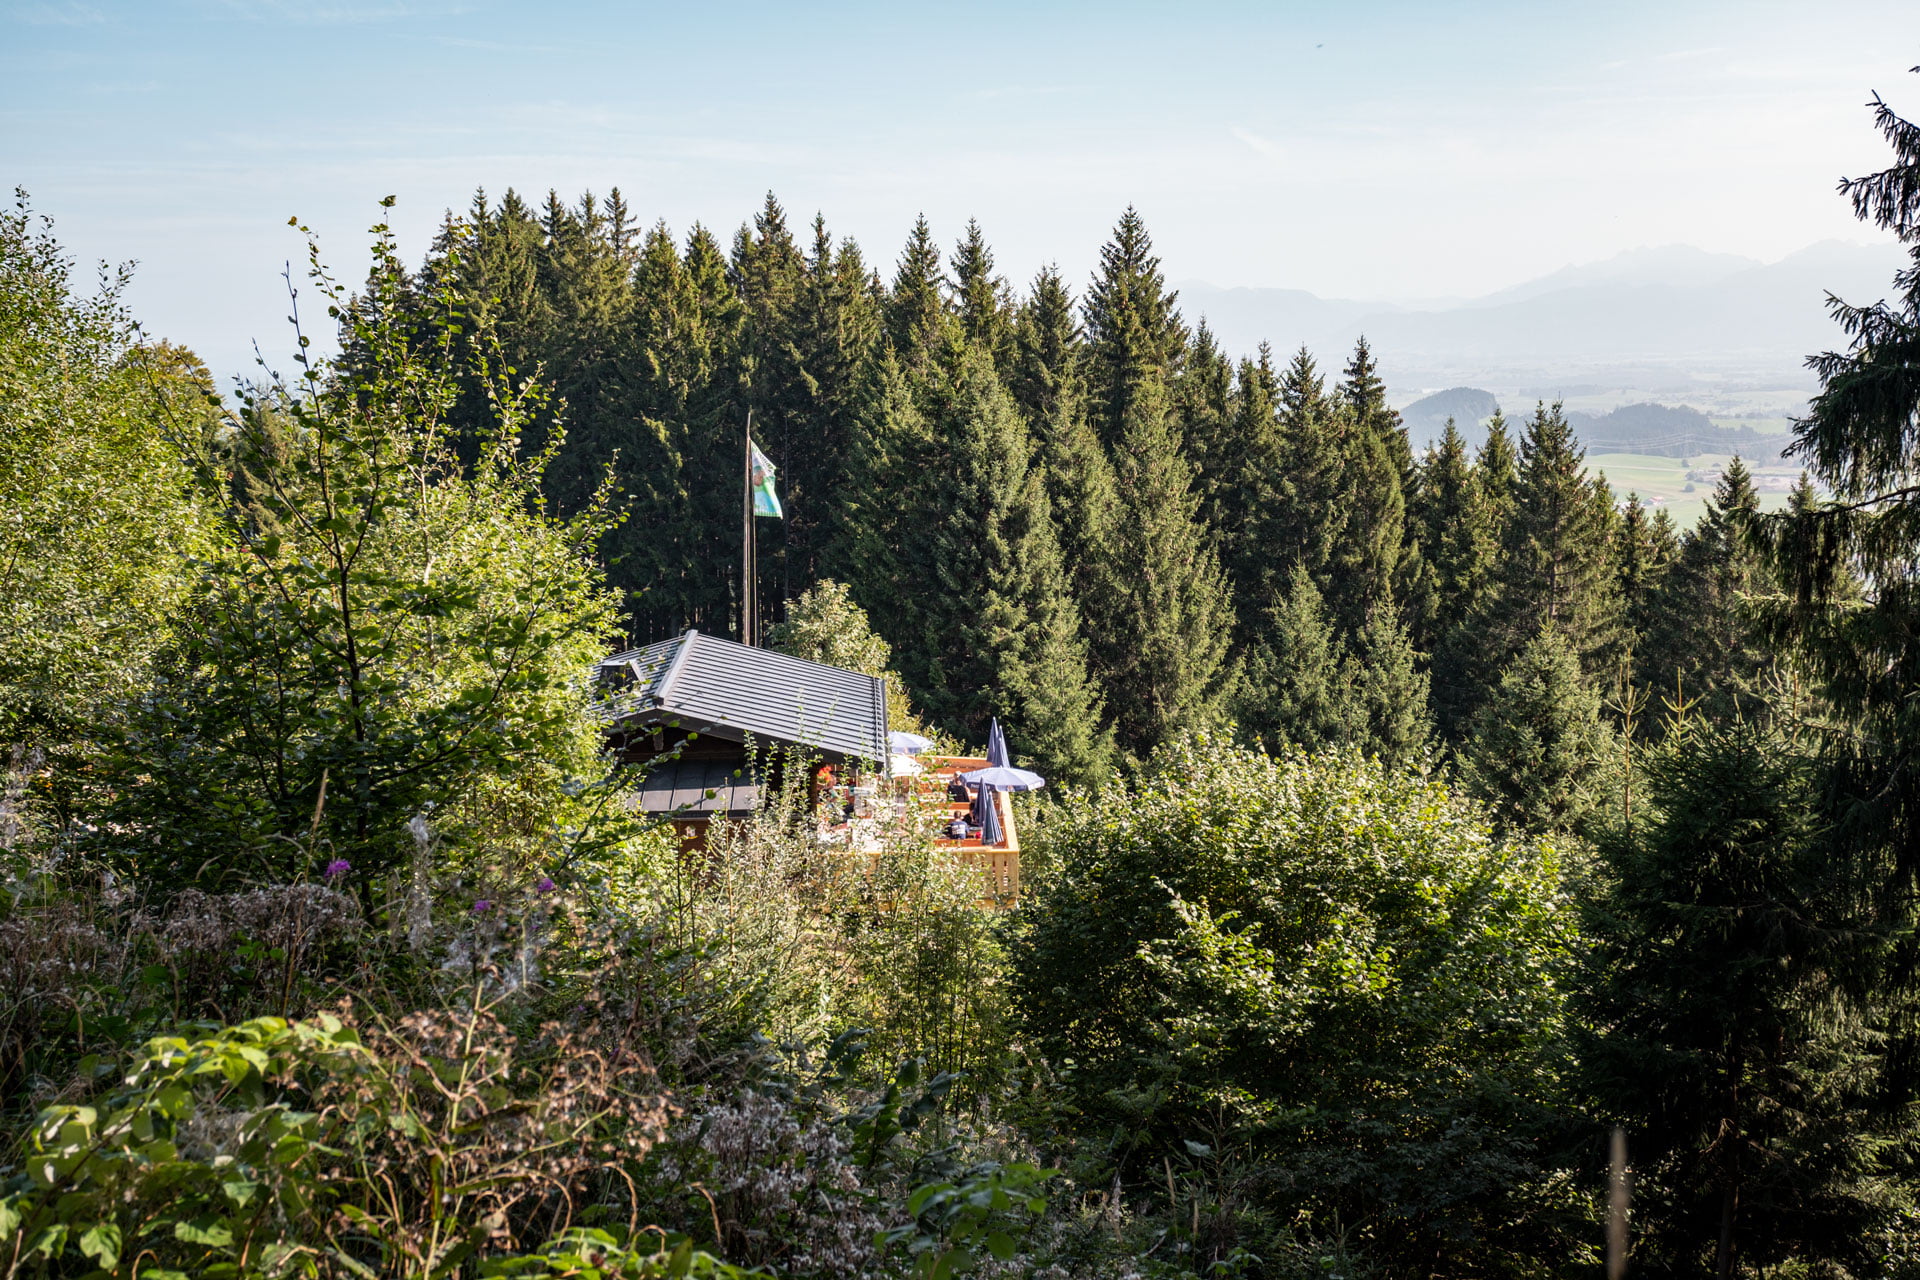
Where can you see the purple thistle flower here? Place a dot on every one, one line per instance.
(480, 908)
(545, 885)
(337, 868)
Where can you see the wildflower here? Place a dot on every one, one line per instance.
(337, 868)
(481, 907)
(545, 885)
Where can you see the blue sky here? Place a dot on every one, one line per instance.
(1386, 151)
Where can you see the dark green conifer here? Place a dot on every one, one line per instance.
(1459, 544)
(1499, 471)
(1046, 384)
(982, 299)
(769, 271)
(1249, 480)
(1536, 746)
(1456, 526)
(1556, 568)
(1642, 554)
(1737, 1047)
(676, 456)
(1134, 335)
(1044, 368)
(1005, 631)
(917, 315)
(1703, 645)
(1292, 693)
(1306, 522)
(1386, 692)
(837, 334)
(1203, 399)
(1375, 558)
(1163, 631)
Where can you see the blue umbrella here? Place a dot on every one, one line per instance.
(907, 744)
(997, 746)
(986, 816)
(1001, 778)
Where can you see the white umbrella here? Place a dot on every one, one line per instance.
(1004, 779)
(905, 766)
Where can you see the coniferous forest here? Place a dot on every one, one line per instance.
(1450, 867)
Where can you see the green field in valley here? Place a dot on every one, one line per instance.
(1681, 487)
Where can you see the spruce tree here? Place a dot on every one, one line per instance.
(1292, 691)
(1848, 565)
(1498, 467)
(981, 298)
(1556, 568)
(1164, 630)
(1454, 523)
(1249, 479)
(1536, 746)
(837, 333)
(916, 311)
(1459, 545)
(1044, 367)
(1046, 384)
(1307, 521)
(1729, 951)
(997, 628)
(676, 460)
(1375, 560)
(1367, 394)
(1704, 646)
(1203, 399)
(897, 471)
(1303, 687)
(1387, 694)
(1134, 335)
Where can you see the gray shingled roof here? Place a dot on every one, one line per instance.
(735, 691)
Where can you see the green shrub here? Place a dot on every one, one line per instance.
(1314, 972)
(277, 1148)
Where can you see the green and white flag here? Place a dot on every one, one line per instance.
(765, 501)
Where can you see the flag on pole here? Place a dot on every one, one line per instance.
(765, 501)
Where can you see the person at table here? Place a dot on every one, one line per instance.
(958, 791)
(960, 828)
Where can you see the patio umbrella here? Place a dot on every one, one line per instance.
(997, 746)
(905, 766)
(1001, 778)
(986, 816)
(902, 743)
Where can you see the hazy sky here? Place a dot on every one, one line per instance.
(1391, 151)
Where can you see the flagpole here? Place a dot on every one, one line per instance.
(746, 542)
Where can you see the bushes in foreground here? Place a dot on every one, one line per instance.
(1315, 981)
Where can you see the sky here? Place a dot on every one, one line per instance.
(1386, 151)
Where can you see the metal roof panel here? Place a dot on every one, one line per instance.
(753, 692)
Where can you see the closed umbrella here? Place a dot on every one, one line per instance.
(997, 778)
(997, 746)
(986, 816)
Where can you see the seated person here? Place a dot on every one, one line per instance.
(957, 790)
(960, 828)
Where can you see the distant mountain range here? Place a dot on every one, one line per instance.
(1673, 431)
(1656, 317)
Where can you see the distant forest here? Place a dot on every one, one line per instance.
(1079, 514)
